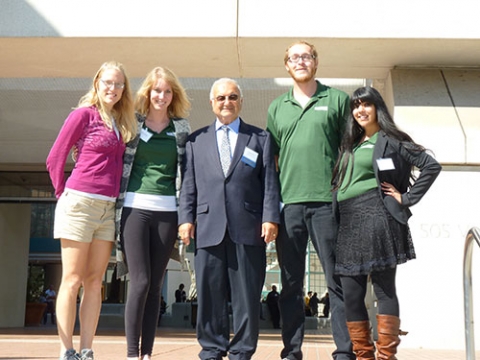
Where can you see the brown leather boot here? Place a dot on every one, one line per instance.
(361, 337)
(388, 336)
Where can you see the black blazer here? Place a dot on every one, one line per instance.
(403, 158)
(240, 202)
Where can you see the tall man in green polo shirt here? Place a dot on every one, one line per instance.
(306, 124)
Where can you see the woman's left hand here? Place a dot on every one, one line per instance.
(390, 190)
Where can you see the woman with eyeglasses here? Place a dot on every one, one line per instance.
(148, 220)
(98, 129)
(375, 189)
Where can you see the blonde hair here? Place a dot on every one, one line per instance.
(122, 111)
(180, 105)
(312, 48)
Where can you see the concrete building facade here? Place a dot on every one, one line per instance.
(423, 57)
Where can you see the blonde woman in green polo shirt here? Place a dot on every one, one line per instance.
(375, 188)
(151, 180)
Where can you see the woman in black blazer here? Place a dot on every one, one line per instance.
(374, 188)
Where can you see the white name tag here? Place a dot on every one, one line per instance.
(250, 157)
(145, 135)
(321, 108)
(385, 164)
(367, 146)
(170, 133)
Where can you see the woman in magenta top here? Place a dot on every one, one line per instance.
(84, 217)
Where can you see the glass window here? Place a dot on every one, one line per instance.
(42, 220)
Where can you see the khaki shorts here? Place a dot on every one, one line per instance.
(81, 218)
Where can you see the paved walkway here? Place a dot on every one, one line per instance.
(41, 343)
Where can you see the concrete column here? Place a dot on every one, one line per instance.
(425, 109)
(53, 275)
(440, 110)
(14, 242)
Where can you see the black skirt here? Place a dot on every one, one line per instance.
(369, 238)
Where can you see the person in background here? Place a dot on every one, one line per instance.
(98, 129)
(149, 220)
(375, 188)
(163, 309)
(50, 297)
(307, 124)
(272, 303)
(180, 295)
(313, 303)
(230, 204)
(308, 311)
(325, 300)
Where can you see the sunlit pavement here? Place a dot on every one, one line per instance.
(42, 343)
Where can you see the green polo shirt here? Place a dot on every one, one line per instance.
(155, 166)
(306, 141)
(362, 179)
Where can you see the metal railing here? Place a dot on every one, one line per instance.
(473, 234)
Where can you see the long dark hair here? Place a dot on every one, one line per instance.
(354, 132)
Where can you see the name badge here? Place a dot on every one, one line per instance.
(145, 135)
(249, 157)
(170, 133)
(385, 164)
(321, 108)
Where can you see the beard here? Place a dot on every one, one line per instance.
(304, 77)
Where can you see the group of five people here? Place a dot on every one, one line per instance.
(234, 188)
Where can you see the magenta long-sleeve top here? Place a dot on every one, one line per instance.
(98, 168)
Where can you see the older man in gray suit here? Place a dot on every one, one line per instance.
(229, 203)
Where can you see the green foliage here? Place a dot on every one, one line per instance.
(35, 283)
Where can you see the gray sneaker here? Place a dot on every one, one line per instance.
(70, 354)
(86, 354)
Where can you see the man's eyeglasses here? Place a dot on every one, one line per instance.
(109, 84)
(222, 98)
(304, 57)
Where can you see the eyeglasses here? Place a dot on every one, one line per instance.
(109, 84)
(304, 57)
(222, 98)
